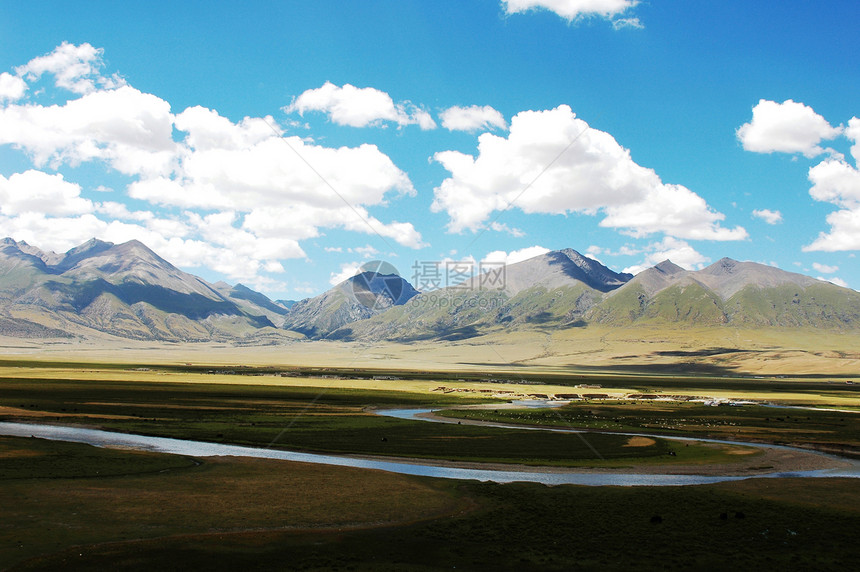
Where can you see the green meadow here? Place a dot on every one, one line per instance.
(77, 507)
(144, 511)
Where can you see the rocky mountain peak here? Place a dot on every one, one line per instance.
(668, 267)
(723, 266)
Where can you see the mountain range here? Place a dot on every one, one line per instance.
(125, 290)
(128, 291)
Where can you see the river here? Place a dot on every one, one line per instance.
(102, 438)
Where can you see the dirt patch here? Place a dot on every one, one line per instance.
(18, 453)
(17, 412)
(640, 442)
(736, 451)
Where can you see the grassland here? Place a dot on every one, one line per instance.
(228, 514)
(589, 350)
(76, 507)
(328, 420)
(832, 431)
(56, 495)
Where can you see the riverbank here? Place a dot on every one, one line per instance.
(770, 459)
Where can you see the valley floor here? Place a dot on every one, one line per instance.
(593, 349)
(77, 507)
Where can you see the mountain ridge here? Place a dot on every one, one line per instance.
(127, 290)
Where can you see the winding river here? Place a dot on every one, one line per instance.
(101, 438)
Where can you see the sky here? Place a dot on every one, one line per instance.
(282, 145)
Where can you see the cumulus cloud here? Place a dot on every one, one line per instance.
(853, 133)
(678, 251)
(788, 127)
(128, 129)
(572, 10)
(359, 107)
(500, 256)
(472, 118)
(12, 87)
(768, 216)
(38, 192)
(836, 181)
(825, 269)
(206, 130)
(75, 68)
(502, 227)
(554, 163)
(347, 271)
(187, 243)
(594, 251)
(241, 195)
(792, 127)
(844, 233)
(834, 280)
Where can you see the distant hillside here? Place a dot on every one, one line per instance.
(127, 290)
(555, 289)
(358, 298)
(729, 293)
(124, 290)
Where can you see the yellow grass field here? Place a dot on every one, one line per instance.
(769, 352)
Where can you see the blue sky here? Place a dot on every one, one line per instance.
(282, 145)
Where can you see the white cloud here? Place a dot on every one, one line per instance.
(359, 107)
(572, 9)
(37, 192)
(366, 251)
(844, 233)
(219, 228)
(207, 130)
(472, 118)
(673, 210)
(834, 280)
(554, 163)
(622, 23)
(625, 250)
(502, 227)
(678, 251)
(825, 269)
(242, 195)
(221, 166)
(75, 68)
(12, 87)
(195, 243)
(788, 127)
(792, 127)
(301, 221)
(130, 130)
(836, 181)
(853, 133)
(119, 211)
(500, 256)
(768, 216)
(347, 271)
(278, 171)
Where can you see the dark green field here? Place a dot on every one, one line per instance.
(833, 431)
(228, 514)
(314, 420)
(76, 507)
